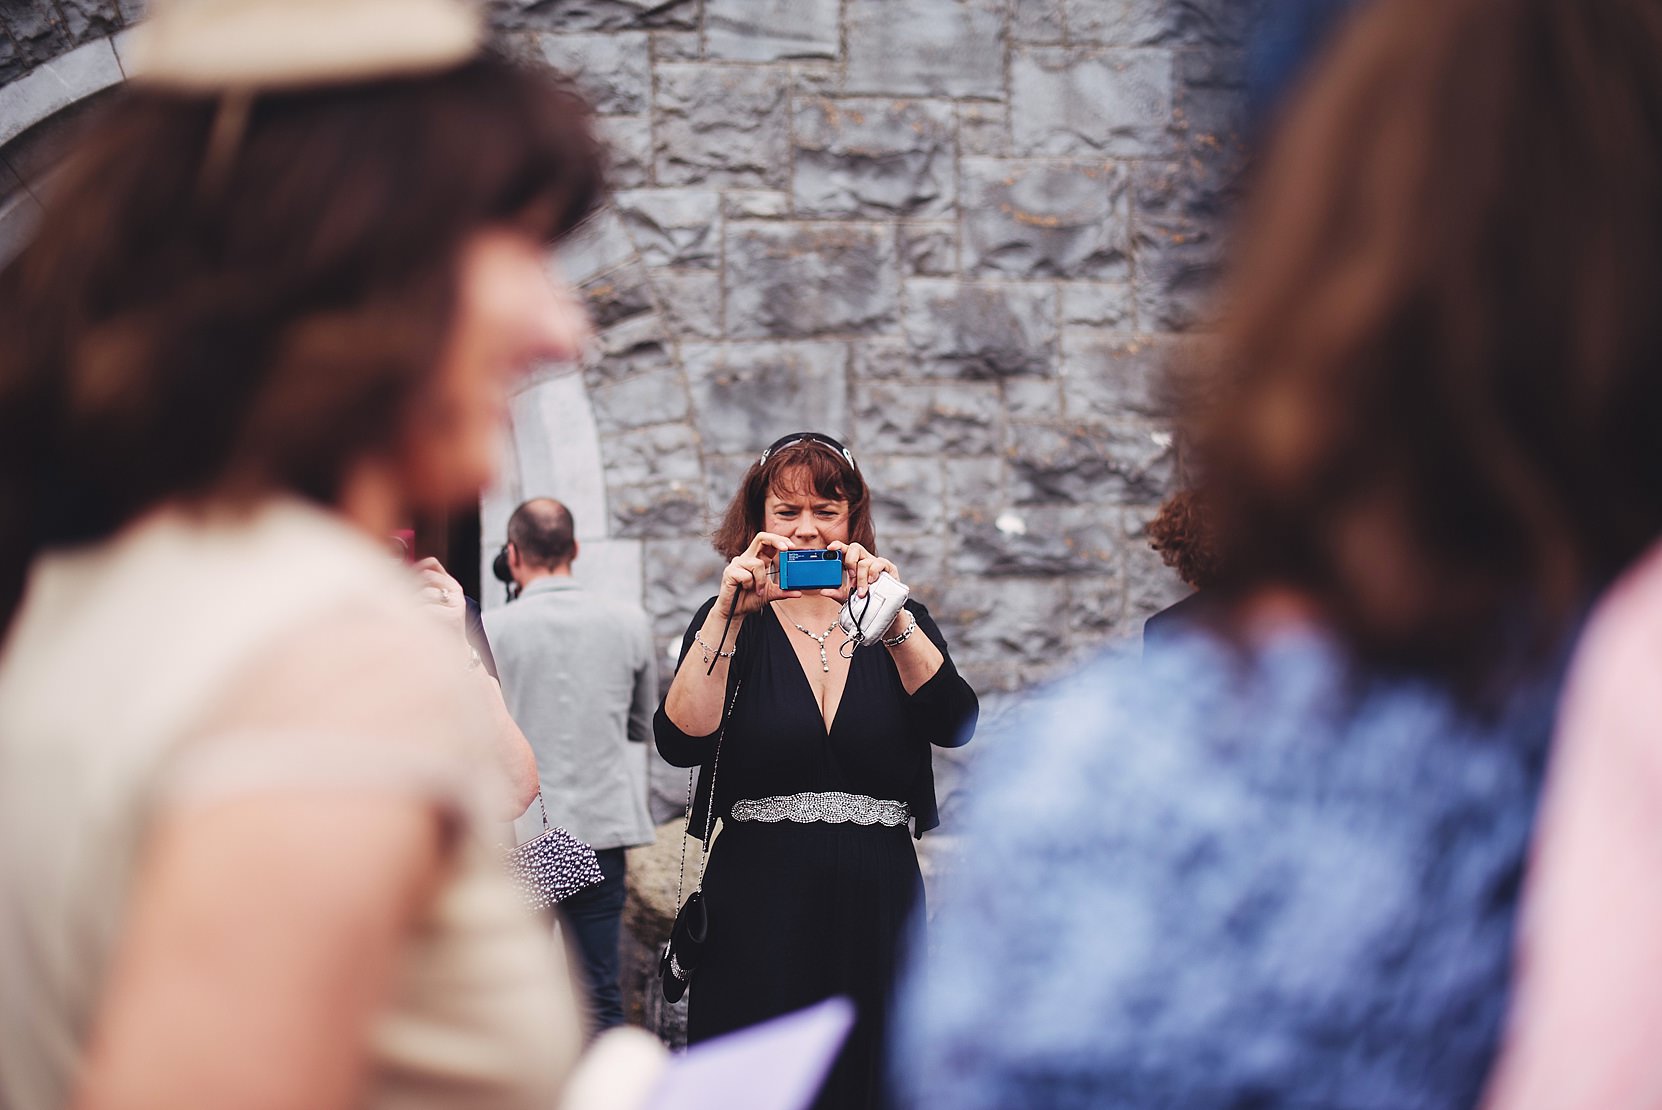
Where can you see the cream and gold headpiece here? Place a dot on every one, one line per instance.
(222, 45)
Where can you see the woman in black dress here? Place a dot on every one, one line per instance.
(824, 760)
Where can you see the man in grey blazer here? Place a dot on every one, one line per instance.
(578, 674)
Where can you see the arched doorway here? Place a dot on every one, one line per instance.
(553, 448)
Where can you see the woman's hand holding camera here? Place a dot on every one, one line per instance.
(861, 569)
(747, 583)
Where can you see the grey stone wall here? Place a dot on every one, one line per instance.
(963, 235)
(34, 32)
(960, 234)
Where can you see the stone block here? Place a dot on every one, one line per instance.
(1069, 101)
(1107, 305)
(692, 302)
(87, 19)
(1084, 464)
(519, 47)
(874, 158)
(989, 678)
(132, 10)
(613, 71)
(882, 357)
(1046, 219)
(1108, 377)
(1209, 98)
(617, 296)
(1037, 21)
(655, 397)
(598, 246)
(637, 345)
(628, 141)
(922, 560)
(681, 574)
(974, 480)
(747, 395)
(949, 48)
(673, 227)
(1161, 22)
(1005, 623)
(35, 31)
(722, 125)
(667, 510)
(936, 419)
(755, 204)
(981, 330)
(816, 78)
(725, 473)
(908, 492)
(677, 46)
(663, 453)
(593, 15)
(929, 250)
(55, 85)
(1181, 214)
(984, 129)
(1035, 540)
(791, 281)
(1097, 612)
(11, 59)
(770, 30)
(1033, 399)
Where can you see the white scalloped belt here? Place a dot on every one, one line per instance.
(832, 806)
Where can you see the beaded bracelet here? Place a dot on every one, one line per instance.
(911, 627)
(698, 638)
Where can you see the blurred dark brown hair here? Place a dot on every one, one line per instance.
(187, 325)
(1444, 350)
(1182, 532)
(804, 467)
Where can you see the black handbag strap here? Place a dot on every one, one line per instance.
(544, 809)
(710, 811)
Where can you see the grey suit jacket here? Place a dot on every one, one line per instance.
(578, 674)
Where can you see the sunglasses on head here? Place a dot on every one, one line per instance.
(808, 437)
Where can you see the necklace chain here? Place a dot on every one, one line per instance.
(819, 638)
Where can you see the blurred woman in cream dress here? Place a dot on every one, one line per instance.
(246, 784)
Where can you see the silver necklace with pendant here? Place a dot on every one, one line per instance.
(819, 638)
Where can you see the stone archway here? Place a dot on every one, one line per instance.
(37, 112)
(555, 447)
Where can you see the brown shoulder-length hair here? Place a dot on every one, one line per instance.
(810, 464)
(204, 316)
(1182, 534)
(1442, 360)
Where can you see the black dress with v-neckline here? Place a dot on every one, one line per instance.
(801, 912)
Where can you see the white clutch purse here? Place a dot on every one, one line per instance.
(865, 619)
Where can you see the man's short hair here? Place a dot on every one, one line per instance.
(541, 530)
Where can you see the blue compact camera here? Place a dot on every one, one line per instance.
(815, 569)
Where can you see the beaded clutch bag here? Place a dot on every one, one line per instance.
(552, 866)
